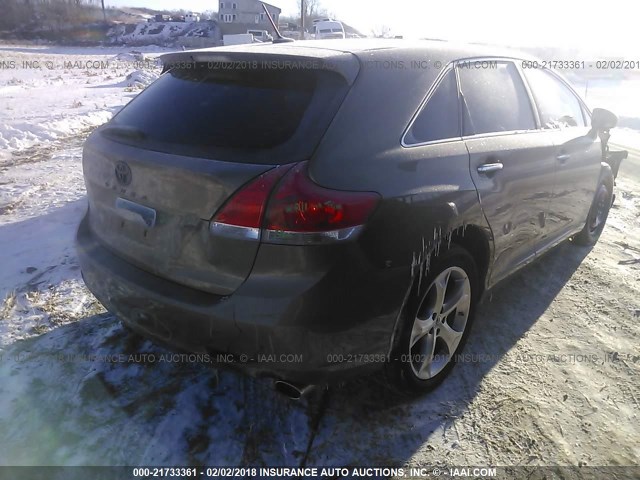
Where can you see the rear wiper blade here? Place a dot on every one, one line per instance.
(125, 131)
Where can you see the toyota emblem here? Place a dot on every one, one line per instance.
(123, 174)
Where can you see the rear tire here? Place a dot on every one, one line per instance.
(598, 215)
(435, 324)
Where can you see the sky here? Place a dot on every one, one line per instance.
(608, 26)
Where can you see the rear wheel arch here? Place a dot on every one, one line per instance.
(599, 210)
(606, 175)
(470, 237)
(449, 256)
(475, 240)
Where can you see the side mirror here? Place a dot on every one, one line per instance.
(602, 119)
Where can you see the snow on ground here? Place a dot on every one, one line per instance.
(50, 93)
(550, 377)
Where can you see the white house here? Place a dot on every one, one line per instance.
(238, 16)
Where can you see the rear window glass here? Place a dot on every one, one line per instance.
(440, 118)
(232, 108)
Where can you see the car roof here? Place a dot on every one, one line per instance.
(346, 56)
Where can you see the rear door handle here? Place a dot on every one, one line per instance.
(562, 158)
(490, 168)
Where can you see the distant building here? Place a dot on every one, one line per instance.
(238, 16)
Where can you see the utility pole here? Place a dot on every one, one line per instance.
(302, 12)
(104, 13)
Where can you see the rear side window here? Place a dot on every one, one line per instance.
(440, 117)
(495, 100)
(557, 104)
(231, 108)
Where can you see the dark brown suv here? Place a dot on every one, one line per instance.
(318, 209)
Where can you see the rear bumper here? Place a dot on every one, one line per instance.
(325, 316)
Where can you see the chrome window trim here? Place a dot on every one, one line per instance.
(234, 231)
(283, 237)
(432, 142)
(502, 134)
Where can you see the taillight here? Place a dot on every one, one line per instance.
(296, 212)
(241, 216)
(301, 212)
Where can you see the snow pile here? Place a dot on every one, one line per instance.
(201, 29)
(141, 78)
(23, 135)
(165, 33)
(132, 56)
(73, 91)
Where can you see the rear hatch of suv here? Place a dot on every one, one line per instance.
(158, 172)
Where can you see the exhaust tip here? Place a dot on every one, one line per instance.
(292, 391)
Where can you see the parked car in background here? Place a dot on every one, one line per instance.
(353, 221)
(237, 39)
(261, 35)
(192, 17)
(327, 29)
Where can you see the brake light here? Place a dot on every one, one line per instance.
(245, 207)
(299, 205)
(297, 212)
(241, 216)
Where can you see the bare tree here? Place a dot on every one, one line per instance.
(311, 10)
(51, 15)
(381, 31)
(209, 15)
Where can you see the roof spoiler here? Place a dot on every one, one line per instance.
(279, 37)
(342, 63)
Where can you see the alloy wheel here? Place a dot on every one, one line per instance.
(440, 323)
